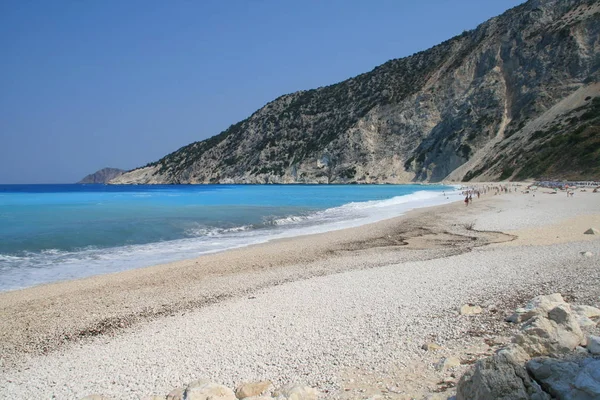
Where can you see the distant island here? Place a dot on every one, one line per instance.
(102, 176)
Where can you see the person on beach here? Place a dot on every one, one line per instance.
(467, 200)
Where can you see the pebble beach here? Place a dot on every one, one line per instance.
(346, 312)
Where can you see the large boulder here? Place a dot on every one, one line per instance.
(577, 379)
(538, 306)
(208, 391)
(500, 378)
(557, 334)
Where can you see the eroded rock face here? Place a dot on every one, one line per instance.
(541, 336)
(577, 379)
(474, 107)
(539, 305)
(498, 377)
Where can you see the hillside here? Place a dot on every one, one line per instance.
(102, 176)
(517, 97)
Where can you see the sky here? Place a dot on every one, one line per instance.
(88, 84)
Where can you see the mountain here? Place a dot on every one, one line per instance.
(102, 176)
(515, 98)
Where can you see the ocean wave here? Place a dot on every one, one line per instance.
(214, 232)
(49, 265)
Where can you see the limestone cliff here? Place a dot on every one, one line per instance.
(514, 98)
(102, 176)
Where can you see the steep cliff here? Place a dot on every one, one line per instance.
(484, 105)
(102, 176)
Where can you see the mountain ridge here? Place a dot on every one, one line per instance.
(103, 175)
(466, 109)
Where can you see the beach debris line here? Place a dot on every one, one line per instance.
(554, 355)
(204, 389)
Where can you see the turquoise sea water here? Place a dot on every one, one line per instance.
(56, 232)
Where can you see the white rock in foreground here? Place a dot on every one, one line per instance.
(209, 391)
(296, 392)
(593, 344)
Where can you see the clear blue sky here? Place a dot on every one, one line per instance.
(97, 83)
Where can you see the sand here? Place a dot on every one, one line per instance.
(345, 311)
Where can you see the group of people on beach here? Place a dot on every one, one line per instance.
(496, 189)
(469, 195)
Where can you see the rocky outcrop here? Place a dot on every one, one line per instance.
(545, 360)
(103, 176)
(514, 98)
(574, 378)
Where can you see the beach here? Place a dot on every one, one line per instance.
(346, 312)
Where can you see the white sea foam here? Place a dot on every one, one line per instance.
(54, 265)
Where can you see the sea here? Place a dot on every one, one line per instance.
(51, 233)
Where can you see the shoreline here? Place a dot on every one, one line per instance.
(130, 287)
(420, 250)
(121, 257)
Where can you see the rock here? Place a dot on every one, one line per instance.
(586, 311)
(581, 350)
(539, 305)
(431, 347)
(515, 353)
(470, 310)
(522, 315)
(542, 336)
(592, 231)
(546, 303)
(587, 254)
(585, 322)
(252, 389)
(588, 379)
(560, 314)
(577, 379)
(447, 362)
(593, 344)
(498, 377)
(296, 392)
(176, 394)
(208, 391)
